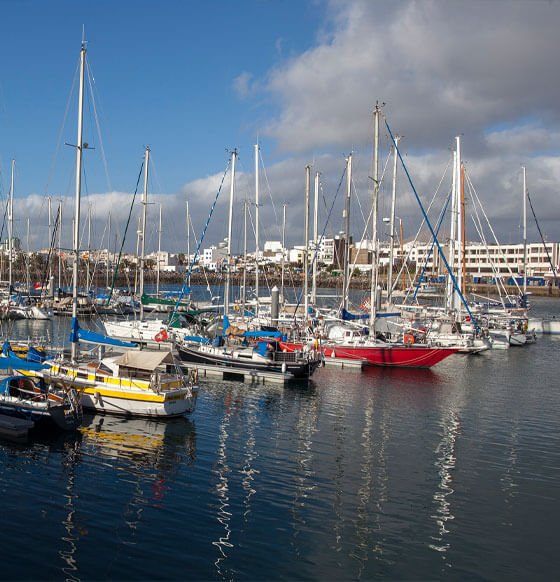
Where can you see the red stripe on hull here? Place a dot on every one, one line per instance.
(401, 356)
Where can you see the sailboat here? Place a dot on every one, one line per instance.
(34, 399)
(147, 331)
(14, 306)
(138, 383)
(346, 340)
(232, 350)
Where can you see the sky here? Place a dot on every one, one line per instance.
(194, 80)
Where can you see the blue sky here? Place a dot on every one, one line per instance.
(164, 76)
(191, 79)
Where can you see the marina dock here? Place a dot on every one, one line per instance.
(14, 428)
(247, 376)
(344, 364)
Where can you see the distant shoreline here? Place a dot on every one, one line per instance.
(326, 282)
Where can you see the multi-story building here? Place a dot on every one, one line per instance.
(487, 261)
(213, 256)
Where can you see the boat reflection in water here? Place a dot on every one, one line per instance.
(145, 454)
(141, 443)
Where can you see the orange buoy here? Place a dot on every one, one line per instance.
(408, 338)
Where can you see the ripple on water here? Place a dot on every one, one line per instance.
(443, 473)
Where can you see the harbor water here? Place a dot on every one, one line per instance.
(449, 473)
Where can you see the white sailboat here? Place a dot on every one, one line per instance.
(145, 331)
(14, 306)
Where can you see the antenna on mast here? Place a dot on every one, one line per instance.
(84, 42)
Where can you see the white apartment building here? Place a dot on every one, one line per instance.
(272, 252)
(212, 256)
(487, 261)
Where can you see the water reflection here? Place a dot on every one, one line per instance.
(222, 473)
(248, 472)
(71, 457)
(452, 402)
(417, 376)
(248, 417)
(445, 463)
(305, 427)
(141, 444)
(339, 427)
(380, 484)
(366, 488)
(145, 450)
(511, 474)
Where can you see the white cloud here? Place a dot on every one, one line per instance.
(480, 69)
(443, 68)
(242, 85)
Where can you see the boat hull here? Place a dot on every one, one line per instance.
(106, 401)
(123, 396)
(43, 416)
(394, 356)
(298, 369)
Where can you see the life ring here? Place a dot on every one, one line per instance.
(408, 338)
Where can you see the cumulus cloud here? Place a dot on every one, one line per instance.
(441, 67)
(482, 70)
(478, 69)
(242, 84)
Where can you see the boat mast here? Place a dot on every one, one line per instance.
(316, 239)
(257, 227)
(345, 281)
(464, 230)
(452, 237)
(88, 246)
(28, 279)
(143, 244)
(392, 225)
(243, 290)
(524, 232)
(375, 199)
(10, 231)
(283, 249)
(60, 243)
(138, 234)
(457, 303)
(188, 243)
(50, 241)
(76, 237)
(159, 252)
(108, 261)
(228, 255)
(306, 248)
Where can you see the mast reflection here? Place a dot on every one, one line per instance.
(445, 463)
(222, 472)
(306, 426)
(372, 490)
(71, 457)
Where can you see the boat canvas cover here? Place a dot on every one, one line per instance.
(87, 336)
(15, 363)
(347, 316)
(260, 333)
(144, 360)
